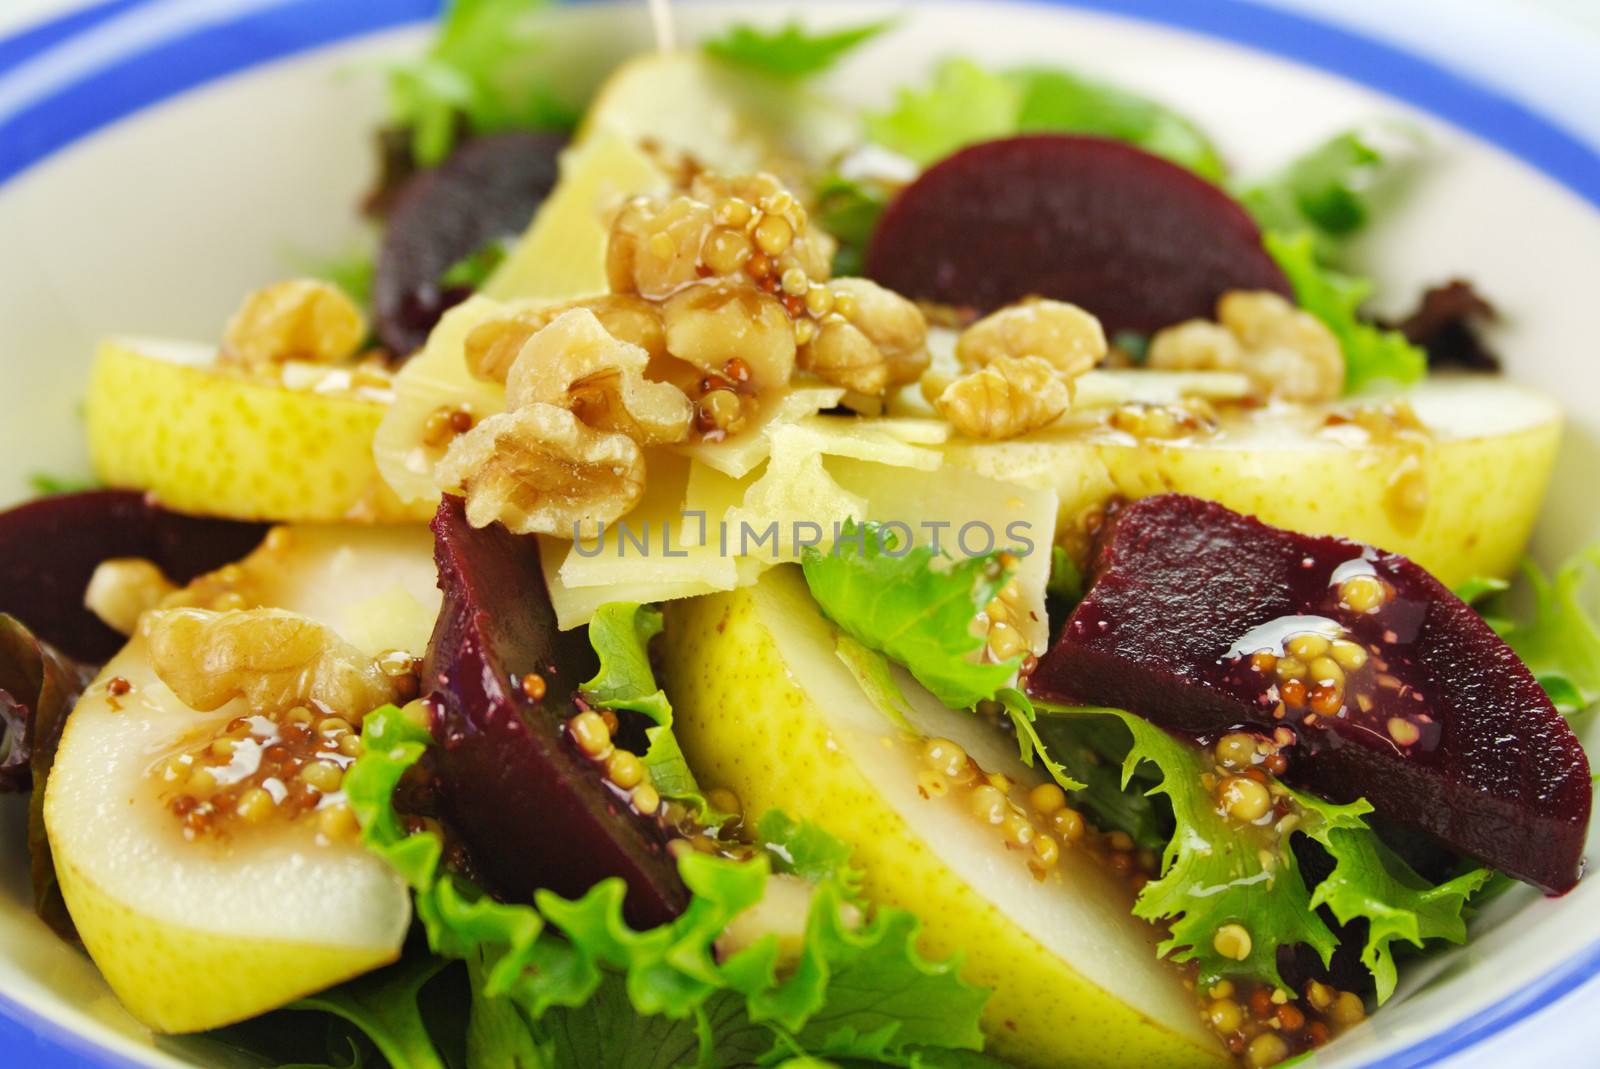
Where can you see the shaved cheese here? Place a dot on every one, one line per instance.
(740, 454)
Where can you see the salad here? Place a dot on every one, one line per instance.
(737, 576)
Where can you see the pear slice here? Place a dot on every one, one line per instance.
(765, 707)
(1485, 454)
(165, 418)
(723, 118)
(195, 934)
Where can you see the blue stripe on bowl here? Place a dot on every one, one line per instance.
(188, 60)
(35, 39)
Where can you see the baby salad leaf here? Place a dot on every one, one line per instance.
(966, 103)
(1369, 880)
(1058, 101)
(789, 52)
(1328, 191)
(553, 980)
(38, 688)
(849, 209)
(963, 105)
(1560, 640)
(1216, 871)
(1371, 353)
(918, 608)
(620, 634)
(914, 605)
(384, 1005)
(482, 72)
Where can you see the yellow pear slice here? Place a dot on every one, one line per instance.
(195, 934)
(724, 119)
(165, 418)
(765, 707)
(1487, 453)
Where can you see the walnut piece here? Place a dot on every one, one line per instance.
(491, 347)
(893, 324)
(744, 228)
(1064, 335)
(842, 354)
(1288, 353)
(576, 364)
(272, 659)
(301, 319)
(872, 340)
(125, 588)
(655, 248)
(713, 323)
(540, 469)
(1196, 345)
(1011, 396)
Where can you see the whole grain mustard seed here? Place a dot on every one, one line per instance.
(1232, 941)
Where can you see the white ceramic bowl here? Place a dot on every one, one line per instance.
(158, 158)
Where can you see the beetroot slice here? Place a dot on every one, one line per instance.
(532, 810)
(1443, 729)
(50, 547)
(488, 189)
(1137, 240)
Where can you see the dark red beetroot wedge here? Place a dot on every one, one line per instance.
(1138, 241)
(1432, 718)
(488, 189)
(532, 809)
(50, 547)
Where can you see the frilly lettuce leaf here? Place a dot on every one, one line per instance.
(385, 1006)
(918, 607)
(620, 633)
(913, 605)
(1369, 880)
(551, 979)
(1328, 191)
(965, 104)
(1559, 640)
(1371, 353)
(790, 52)
(481, 73)
(1215, 871)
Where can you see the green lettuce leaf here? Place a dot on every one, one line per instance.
(1328, 192)
(571, 983)
(1215, 871)
(917, 607)
(1559, 638)
(966, 103)
(385, 1006)
(1369, 880)
(1057, 101)
(620, 634)
(895, 600)
(482, 73)
(1371, 353)
(789, 52)
(849, 209)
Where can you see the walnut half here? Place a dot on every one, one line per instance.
(1287, 352)
(1009, 397)
(872, 340)
(1064, 335)
(540, 469)
(271, 658)
(575, 363)
(301, 319)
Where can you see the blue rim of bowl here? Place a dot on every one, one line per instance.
(266, 30)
